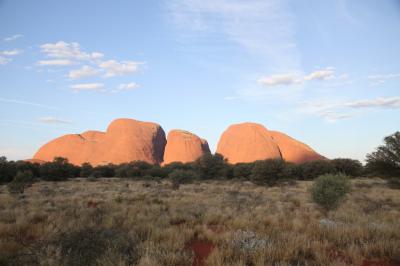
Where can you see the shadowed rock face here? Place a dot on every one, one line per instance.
(248, 142)
(125, 140)
(183, 146)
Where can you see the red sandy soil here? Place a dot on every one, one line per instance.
(201, 249)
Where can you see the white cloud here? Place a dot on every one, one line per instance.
(281, 79)
(53, 120)
(389, 102)
(88, 87)
(382, 78)
(10, 52)
(128, 86)
(115, 68)
(4, 60)
(83, 72)
(333, 117)
(13, 37)
(288, 79)
(55, 62)
(263, 28)
(322, 74)
(67, 50)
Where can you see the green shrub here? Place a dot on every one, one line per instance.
(7, 170)
(313, 169)
(86, 170)
(86, 246)
(58, 170)
(104, 170)
(385, 161)
(169, 168)
(242, 170)
(179, 177)
(348, 167)
(268, 171)
(329, 190)
(212, 166)
(20, 182)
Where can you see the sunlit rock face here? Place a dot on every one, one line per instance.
(125, 140)
(249, 142)
(184, 146)
(293, 150)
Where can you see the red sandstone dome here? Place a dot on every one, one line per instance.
(248, 142)
(293, 150)
(183, 146)
(125, 140)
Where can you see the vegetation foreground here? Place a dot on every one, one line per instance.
(134, 222)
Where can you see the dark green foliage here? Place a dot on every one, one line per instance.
(385, 161)
(156, 172)
(104, 171)
(242, 170)
(169, 168)
(180, 176)
(22, 180)
(134, 169)
(268, 171)
(211, 166)
(348, 167)
(7, 170)
(313, 169)
(86, 170)
(329, 190)
(292, 172)
(87, 245)
(58, 170)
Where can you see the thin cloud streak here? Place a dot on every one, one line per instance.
(14, 101)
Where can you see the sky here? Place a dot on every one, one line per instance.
(324, 72)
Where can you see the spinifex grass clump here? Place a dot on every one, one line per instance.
(329, 190)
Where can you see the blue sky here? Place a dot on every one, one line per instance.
(324, 72)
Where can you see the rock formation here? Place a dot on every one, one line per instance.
(125, 140)
(248, 142)
(183, 146)
(293, 150)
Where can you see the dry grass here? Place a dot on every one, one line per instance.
(246, 224)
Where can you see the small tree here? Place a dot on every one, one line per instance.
(348, 167)
(313, 169)
(329, 191)
(385, 160)
(211, 166)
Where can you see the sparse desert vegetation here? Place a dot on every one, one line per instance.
(126, 222)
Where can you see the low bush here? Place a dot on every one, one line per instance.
(86, 170)
(329, 190)
(348, 167)
(242, 170)
(104, 171)
(180, 176)
(86, 246)
(58, 170)
(268, 171)
(313, 169)
(212, 166)
(21, 181)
